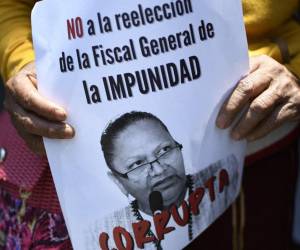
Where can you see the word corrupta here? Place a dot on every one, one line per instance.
(125, 241)
(152, 79)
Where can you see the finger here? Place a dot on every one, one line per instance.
(260, 108)
(22, 87)
(280, 115)
(248, 88)
(35, 143)
(36, 125)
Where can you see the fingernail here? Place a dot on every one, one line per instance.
(236, 136)
(221, 121)
(69, 131)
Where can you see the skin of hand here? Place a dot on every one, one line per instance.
(33, 115)
(270, 96)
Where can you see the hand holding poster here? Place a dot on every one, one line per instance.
(142, 83)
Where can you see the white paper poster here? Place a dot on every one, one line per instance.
(142, 82)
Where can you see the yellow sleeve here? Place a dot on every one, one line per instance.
(15, 36)
(272, 30)
(289, 35)
(293, 38)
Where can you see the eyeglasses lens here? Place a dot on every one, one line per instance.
(165, 159)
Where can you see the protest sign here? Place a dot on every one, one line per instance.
(142, 82)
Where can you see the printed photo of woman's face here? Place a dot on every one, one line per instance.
(146, 158)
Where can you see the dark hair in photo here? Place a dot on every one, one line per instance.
(115, 127)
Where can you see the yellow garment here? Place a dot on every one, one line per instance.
(265, 20)
(15, 37)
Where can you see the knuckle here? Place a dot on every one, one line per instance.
(288, 88)
(292, 111)
(277, 68)
(258, 106)
(10, 86)
(281, 67)
(28, 124)
(245, 87)
(231, 106)
(271, 64)
(27, 99)
(50, 132)
(286, 84)
(16, 85)
(264, 57)
(17, 79)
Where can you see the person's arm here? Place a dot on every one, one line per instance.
(32, 114)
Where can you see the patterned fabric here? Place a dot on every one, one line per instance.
(24, 228)
(23, 169)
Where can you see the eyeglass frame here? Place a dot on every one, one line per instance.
(125, 175)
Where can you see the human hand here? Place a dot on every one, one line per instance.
(271, 94)
(33, 115)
